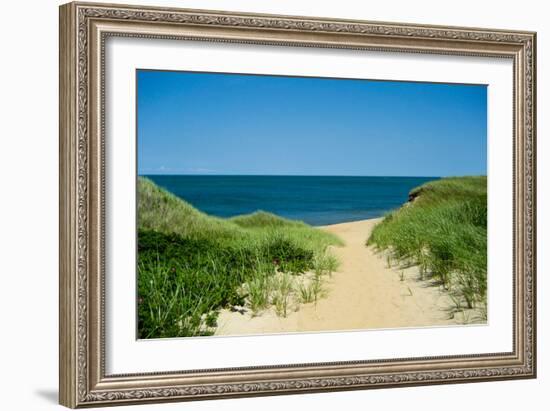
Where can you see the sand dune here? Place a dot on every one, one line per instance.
(363, 294)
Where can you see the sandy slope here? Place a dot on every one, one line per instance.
(363, 294)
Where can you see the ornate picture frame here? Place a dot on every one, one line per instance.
(84, 29)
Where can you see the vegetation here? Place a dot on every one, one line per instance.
(190, 265)
(443, 230)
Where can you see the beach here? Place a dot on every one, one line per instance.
(423, 265)
(363, 294)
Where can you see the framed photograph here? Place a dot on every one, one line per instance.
(260, 204)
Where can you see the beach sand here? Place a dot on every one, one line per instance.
(363, 294)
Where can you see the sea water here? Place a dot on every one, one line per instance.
(316, 200)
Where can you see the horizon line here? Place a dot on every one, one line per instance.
(298, 175)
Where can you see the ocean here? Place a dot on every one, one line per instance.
(316, 200)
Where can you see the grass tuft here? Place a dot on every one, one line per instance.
(443, 230)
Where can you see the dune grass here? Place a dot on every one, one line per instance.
(443, 230)
(190, 264)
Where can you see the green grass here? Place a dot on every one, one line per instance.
(190, 264)
(443, 230)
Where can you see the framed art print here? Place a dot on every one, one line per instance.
(260, 204)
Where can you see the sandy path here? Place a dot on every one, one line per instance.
(363, 294)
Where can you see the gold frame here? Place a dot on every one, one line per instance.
(83, 30)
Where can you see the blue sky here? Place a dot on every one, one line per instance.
(204, 123)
